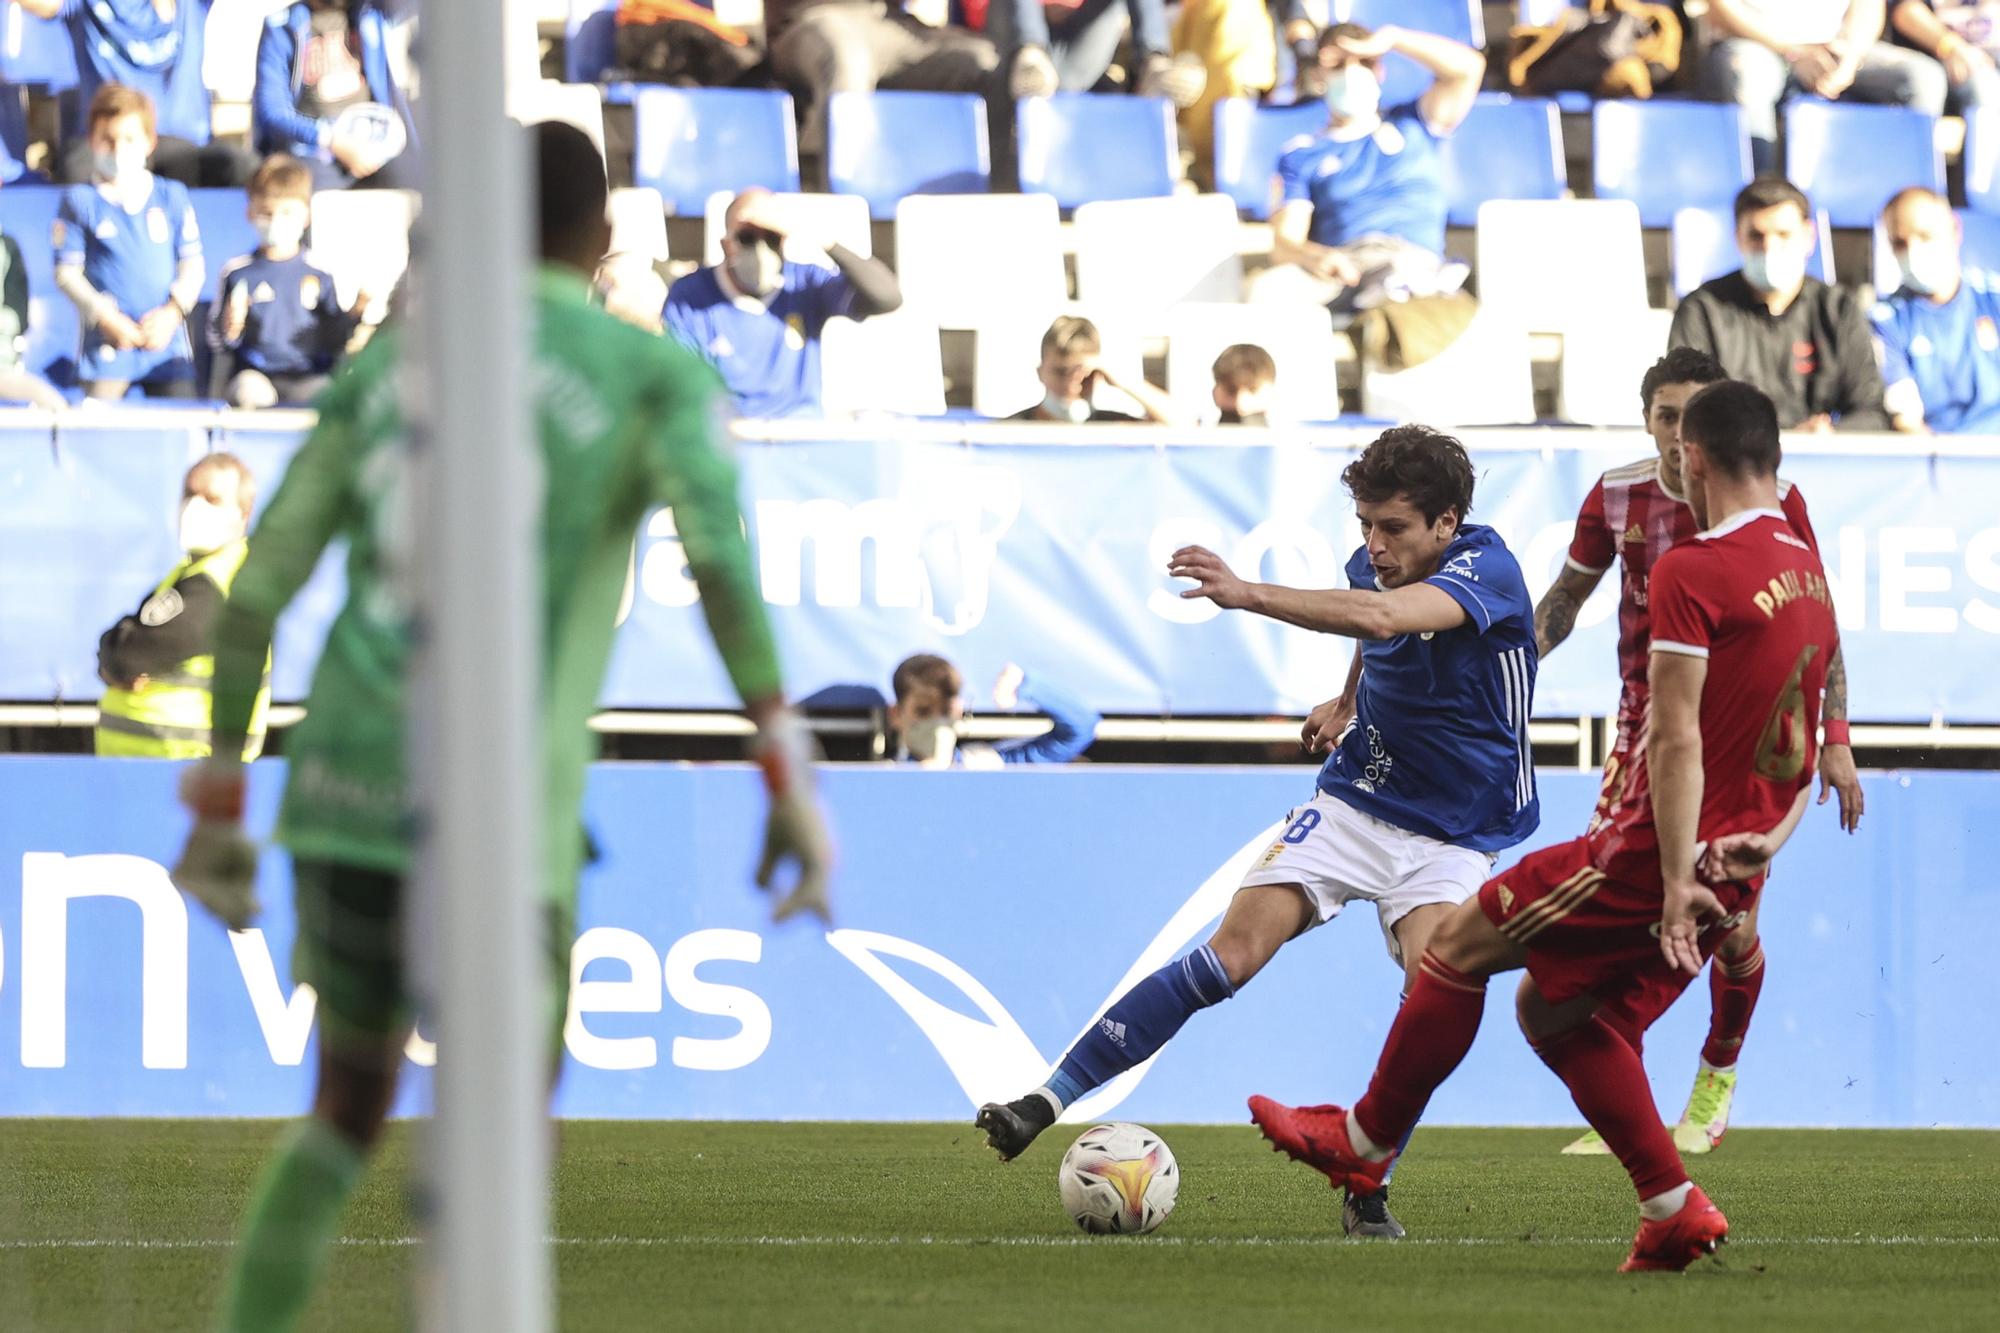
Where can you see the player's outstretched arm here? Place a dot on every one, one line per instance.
(1673, 763)
(1837, 772)
(1742, 856)
(1416, 608)
(1555, 614)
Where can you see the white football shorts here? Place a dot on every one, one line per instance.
(1339, 855)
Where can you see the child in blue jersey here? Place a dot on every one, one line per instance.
(277, 326)
(1430, 773)
(128, 253)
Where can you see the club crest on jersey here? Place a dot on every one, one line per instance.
(1987, 335)
(156, 225)
(309, 291)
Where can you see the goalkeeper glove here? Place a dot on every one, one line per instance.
(218, 866)
(794, 830)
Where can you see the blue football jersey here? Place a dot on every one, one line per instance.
(1389, 183)
(767, 351)
(1439, 744)
(280, 316)
(130, 257)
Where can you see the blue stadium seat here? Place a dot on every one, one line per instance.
(588, 39)
(884, 145)
(35, 51)
(1824, 141)
(1403, 79)
(689, 143)
(1508, 148)
(1703, 246)
(26, 211)
(1982, 159)
(1248, 140)
(1665, 156)
(1082, 147)
(226, 233)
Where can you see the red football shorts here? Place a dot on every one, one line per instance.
(1589, 934)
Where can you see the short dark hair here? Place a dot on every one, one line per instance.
(220, 461)
(1428, 466)
(1353, 32)
(1681, 365)
(1770, 192)
(1245, 366)
(1736, 425)
(282, 176)
(114, 101)
(926, 671)
(572, 193)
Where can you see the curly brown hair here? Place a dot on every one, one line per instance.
(1427, 466)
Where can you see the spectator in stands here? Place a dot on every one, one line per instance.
(1246, 382)
(757, 317)
(1759, 50)
(835, 46)
(1071, 373)
(277, 326)
(18, 384)
(1960, 35)
(158, 663)
(128, 253)
(1363, 203)
(328, 92)
(1804, 343)
(154, 46)
(1234, 42)
(930, 707)
(1068, 46)
(1940, 330)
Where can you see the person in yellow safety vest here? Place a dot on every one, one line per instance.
(158, 664)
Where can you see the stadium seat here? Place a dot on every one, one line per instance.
(884, 145)
(963, 257)
(589, 38)
(33, 51)
(1979, 248)
(1666, 156)
(1082, 147)
(1982, 159)
(1485, 378)
(836, 218)
(639, 224)
(1825, 140)
(1403, 79)
(1508, 148)
(1300, 339)
(690, 142)
(1703, 246)
(890, 363)
(226, 234)
(1009, 348)
(1601, 372)
(1560, 265)
(1248, 142)
(1142, 256)
(362, 237)
(26, 212)
(578, 104)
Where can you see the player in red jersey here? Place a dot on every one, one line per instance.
(1612, 926)
(1634, 515)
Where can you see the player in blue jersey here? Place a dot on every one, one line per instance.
(1429, 777)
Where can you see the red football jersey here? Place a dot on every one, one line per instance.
(1630, 516)
(1751, 597)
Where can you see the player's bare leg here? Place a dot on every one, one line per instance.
(1258, 923)
(1735, 978)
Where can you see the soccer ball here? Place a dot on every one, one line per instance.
(1119, 1180)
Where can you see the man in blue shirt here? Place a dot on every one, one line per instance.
(1362, 211)
(930, 706)
(1940, 329)
(156, 47)
(757, 317)
(329, 93)
(1430, 774)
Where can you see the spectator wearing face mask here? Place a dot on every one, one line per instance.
(1804, 343)
(1940, 329)
(128, 253)
(158, 664)
(929, 711)
(757, 317)
(1362, 215)
(1071, 373)
(1246, 382)
(277, 326)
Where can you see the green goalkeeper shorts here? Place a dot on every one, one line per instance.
(351, 949)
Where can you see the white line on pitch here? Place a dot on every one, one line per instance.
(1003, 1242)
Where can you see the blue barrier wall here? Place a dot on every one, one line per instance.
(871, 547)
(984, 918)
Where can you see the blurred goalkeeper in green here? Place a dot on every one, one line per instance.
(626, 421)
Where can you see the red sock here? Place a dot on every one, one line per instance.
(1608, 1084)
(1732, 998)
(1433, 1031)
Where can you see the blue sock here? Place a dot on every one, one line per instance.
(1144, 1019)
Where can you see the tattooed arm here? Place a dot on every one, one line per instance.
(1555, 614)
(1837, 772)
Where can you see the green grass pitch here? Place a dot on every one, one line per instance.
(125, 1224)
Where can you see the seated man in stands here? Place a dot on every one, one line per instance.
(930, 706)
(128, 253)
(1363, 209)
(1962, 37)
(1071, 374)
(1940, 329)
(757, 317)
(1246, 382)
(1802, 342)
(1068, 46)
(156, 47)
(1756, 53)
(329, 92)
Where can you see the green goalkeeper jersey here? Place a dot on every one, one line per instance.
(625, 421)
